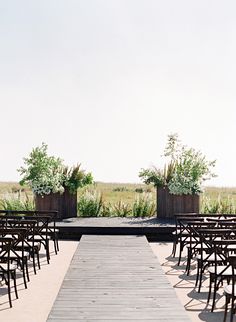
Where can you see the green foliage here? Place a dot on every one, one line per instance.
(143, 206)
(139, 190)
(106, 210)
(121, 209)
(184, 174)
(218, 206)
(89, 204)
(43, 173)
(191, 170)
(209, 200)
(120, 189)
(75, 178)
(152, 176)
(47, 174)
(158, 177)
(17, 202)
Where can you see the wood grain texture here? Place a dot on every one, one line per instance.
(65, 204)
(169, 204)
(116, 278)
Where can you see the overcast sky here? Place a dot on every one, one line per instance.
(103, 82)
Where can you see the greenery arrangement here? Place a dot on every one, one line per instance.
(74, 178)
(184, 172)
(46, 174)
(213, 200)
(17, 201)
(144, 205)
(91, 204)
(121, 209)
(218, 206)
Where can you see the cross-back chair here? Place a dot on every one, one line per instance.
(7, 269)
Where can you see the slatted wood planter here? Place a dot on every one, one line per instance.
(169, 204)
(65, 204)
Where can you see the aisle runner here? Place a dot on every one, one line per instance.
(116, 278)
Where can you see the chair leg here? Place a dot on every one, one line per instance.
(24, 274)
(199, 267)
(188, 265)
(14, 280)
(33, 260)
(214, 294)
(174, 247)
(232, 309)
(200, 279)
(180, 252)
(27, 269)
(227, 300)
(210, 285)
(47, 251)
(9, 288)
(38, 260)
(57, 242)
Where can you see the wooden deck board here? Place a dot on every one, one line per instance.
(116, 278)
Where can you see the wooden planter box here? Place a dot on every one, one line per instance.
(65, 204)
(169, 204)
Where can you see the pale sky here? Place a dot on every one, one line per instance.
(103, 82)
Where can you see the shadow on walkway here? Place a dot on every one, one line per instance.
(195, 303)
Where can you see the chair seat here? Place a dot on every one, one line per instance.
(28, 246)
(187, 239)
(198, 246)
(209, 258)
(18, 254)
(52, 230)
(229, 289)
(37, 245)
(219, 269)
(4, 267)
(231, 247)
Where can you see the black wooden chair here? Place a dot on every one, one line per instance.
(177, 233)
(207, 253)
(230, 290)
(18, 254)
(52, 231)
(194, 247)
(29, 244)
(41, 232)
(220, 269)
(184, 234)
(7, 269)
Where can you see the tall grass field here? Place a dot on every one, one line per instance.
(120, 199)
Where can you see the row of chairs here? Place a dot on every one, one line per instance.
(22, 235)
(210, 241)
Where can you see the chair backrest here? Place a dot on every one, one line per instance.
(232, 263)
(18, 236)
(6, 244)
(214, 243)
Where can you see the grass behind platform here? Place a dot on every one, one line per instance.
(127, 193)
(115, 192)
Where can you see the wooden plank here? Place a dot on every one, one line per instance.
(116, 278)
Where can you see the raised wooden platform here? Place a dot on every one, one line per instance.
(116, 278)
(153, 228)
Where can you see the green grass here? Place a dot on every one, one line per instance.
(117, 194)
(224, 192)
(111, 194)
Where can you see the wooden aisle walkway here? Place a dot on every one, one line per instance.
(116, 278)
